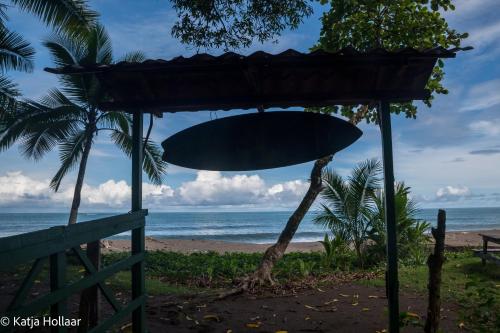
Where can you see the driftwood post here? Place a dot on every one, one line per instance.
(435, 263)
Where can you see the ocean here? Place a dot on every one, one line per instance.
(248, 227)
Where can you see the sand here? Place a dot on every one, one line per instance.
(453, 239)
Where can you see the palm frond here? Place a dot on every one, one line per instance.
(72, 16)
(136, 56)
(8, 96)
(15, 52)
(98, 47)
(153, 165)
(70, 152)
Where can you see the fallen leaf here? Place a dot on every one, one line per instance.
(229, 331)
(320, 290)
(355, 304)
(344, 295)
(365, 309)
(212, 317)
(201, 306)
(372, 296)
(281, 332)
(254, 325)
(332, 301)
(461, 325)
(307, 318)
(413, 315)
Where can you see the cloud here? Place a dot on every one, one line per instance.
(486, 127)
(452, 193)
(485, 151)
(483, 95)
(208, 189)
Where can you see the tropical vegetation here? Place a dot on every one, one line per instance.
(70, 16)
(71, 119)
(353, 210)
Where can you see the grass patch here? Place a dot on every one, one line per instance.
(465, 281)
(154, 286)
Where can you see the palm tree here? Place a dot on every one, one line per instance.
(70, 118)
(71, 16)
(411, 232)
(349, 204)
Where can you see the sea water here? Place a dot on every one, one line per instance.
(247, 227)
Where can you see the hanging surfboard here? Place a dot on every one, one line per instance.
(258, 141)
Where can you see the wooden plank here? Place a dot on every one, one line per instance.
(15, 250)
(57, 283)
(54, 297)
(108, 294)
(116, 318)
(491, 238)
(488, 256)
(27, 284)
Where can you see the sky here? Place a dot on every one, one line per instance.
(449, 155)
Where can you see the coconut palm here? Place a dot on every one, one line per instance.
(70, 118)
(411, 232)
(348, 204)
(71, 16)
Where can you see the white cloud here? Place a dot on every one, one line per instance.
(452, 193)
(486, 127)
(208, 189)
(482, 96)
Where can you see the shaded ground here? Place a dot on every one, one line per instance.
(346, 308)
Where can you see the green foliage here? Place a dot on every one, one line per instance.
(412, 235)
(211, 269)
(72, 16)
(465, 282)
(65, 15)
(305, 267)
(348, 205)
(233, 24)
(336, 252)
(70, 118)
(353, 209)
(392, 25)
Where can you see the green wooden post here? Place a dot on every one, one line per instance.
(390, 217)
(57, 281)
(138, 285)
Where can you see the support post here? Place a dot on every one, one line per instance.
(390, 217)
(435, 263)
(138, 285)
(57, 281)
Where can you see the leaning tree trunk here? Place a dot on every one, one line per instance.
(435, 263)
(89, 298)
(276, 251)
(77, 195)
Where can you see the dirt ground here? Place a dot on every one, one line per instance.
(346, 308)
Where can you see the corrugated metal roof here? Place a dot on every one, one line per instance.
(290, 78)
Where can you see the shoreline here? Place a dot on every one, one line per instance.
(454, 239)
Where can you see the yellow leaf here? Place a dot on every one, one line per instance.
(413, 315)
(281, 332)
(307, 318)
(82, 270)
(212, 317)
(365, 309)
(254, 325)
(355, 304)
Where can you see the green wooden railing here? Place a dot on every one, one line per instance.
(54, 244)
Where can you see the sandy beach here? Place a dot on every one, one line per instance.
(453, 239)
